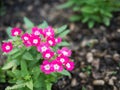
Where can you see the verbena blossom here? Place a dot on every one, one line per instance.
(16, 31)
(56, 66)
(65, 51)
(47, 32)
(43, 47)
(7, 47)
(35, 40)
(58, 40)
(48, 54)
(44, 40)
(62, 59)
(51, 41)
(69, 65)
(46, 67)
(36, 31)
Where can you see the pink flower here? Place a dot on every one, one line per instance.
(62, 59)
(58, 40)
(27, 43)
(7, 47)
(36, 31)
(43, 47)
(69, 65)
(35, 40)
(48, 32)
(51, 41)
(56, 66)
(48, 54)
(65, 51)
(25, 37)
(16, 31)
(46, 67)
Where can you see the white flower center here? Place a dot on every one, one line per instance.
(25, 38)
(62, 60)
(68, 65)
(48, 33)
(47, 55)
(56, 66)
(47, 67)
(37, 33)
(44, 48)
(35, 41)
(50, 42)
(65, 53)
(15, 33)
(7, 47)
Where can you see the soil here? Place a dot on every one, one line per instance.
(96, 51)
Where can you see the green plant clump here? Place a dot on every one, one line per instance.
(92, 11)
(33, 62)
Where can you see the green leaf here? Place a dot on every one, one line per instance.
(87, 9)
(49, 86)
(24, 68)
(63, 34)
(40, 82)
(8, 31)
(15, 50)
(15, 87)
(28, 23)
(43, 25)
(75, 18)
(106, 21)
(66, 5)
(83, 88)
(29, 84)
(27, 56)
(64, 44)
(10, 65)
(65, 72)
(61, 29)
(91, 24)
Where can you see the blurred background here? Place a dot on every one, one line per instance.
(94, 37)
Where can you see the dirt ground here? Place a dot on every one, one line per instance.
(96, 51)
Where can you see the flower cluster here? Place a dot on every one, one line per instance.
(44, 40)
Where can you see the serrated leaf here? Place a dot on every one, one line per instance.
(27, 56)
(24, 68)
(29, 84)
(15, 87)
(43, 25)
(28, 23)
(15, 50)
(64, 44)
(61, 29)
(10, 65)
(8, 31)
(63, 34)
(65, 72)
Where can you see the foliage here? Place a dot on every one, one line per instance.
(87, 69)
(92, 11)
(23, 63)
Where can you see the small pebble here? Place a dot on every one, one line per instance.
(89, 57)
(83, 75)
(98, 82)
(74, 82)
